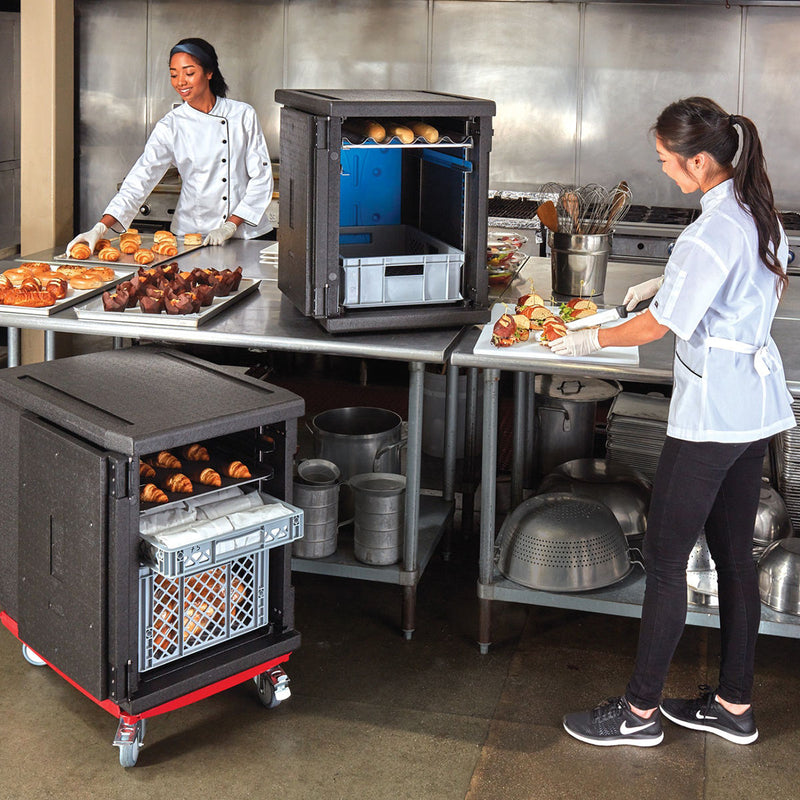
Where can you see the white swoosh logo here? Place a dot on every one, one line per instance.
(624, 729)
(701, 715)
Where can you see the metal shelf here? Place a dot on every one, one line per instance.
(434, 514)
(624, 599)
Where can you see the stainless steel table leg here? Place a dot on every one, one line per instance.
(14, 348)
(118, 343)
(491, 378)
(49, 345)
(411, 539)
(530, 430)
(470, 479)
(518, 453)
(450, 437)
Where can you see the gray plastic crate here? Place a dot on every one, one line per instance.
(172, 562)
(396, 265)
(181, 615)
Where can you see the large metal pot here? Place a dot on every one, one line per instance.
(779, 576)
(565, 415)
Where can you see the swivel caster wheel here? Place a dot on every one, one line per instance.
(129, 740)
(31, 657)
(273, 687)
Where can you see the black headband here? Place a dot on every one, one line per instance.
(196, 52)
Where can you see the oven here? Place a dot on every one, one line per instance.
(140, 600)
(384, 230)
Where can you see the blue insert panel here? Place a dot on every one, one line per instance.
(370, 186)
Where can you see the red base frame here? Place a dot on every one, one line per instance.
(178, 702)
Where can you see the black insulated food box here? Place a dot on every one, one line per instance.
(391, 233)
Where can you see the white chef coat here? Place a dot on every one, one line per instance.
(719, 299)
(224, 166)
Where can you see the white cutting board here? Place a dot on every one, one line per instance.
(538, 353)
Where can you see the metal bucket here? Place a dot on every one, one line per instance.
(320, 504)
(358, 439)
(565, 416)
(318, 471)
(379, 499)
(578, 263)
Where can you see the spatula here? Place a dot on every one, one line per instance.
(548, 215)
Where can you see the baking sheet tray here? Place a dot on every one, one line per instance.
(537, 353)
(93, 310)
(73, 296)
(127, 258)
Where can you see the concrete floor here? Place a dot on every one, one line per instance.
(374, 716)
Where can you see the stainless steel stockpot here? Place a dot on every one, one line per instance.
(779, 576)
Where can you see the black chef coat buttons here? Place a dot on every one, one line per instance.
(222, 121)
(224, 180)
(224, 160)
(224, 141)
(224, 198)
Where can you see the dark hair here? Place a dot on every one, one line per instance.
(205, 53)
(696, 125)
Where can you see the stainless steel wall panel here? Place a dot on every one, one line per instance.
(524, 56)
(357, 44)
(769, 92)
(248, 38)
(111, 65)
(9, 87)
(637, 59)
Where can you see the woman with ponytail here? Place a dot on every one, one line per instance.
(218, 148)
(718, 295)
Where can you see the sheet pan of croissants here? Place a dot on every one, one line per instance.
(131, 244)
(167, 475)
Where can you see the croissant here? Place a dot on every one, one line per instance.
(178, 482)
(101, 244)
(196, 452)
(146, 471)
(164, 236)
(237, 470)
(109, 254)
(167, 460)
(165, 248)
(143, 256)
(80, 250)
(152, 494)
(210, 477)
(128, 246)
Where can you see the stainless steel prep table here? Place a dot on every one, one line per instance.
(266, 319)
(655, 366)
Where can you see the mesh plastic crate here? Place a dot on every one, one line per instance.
(394, 265)
(184, 614)
(173, 561)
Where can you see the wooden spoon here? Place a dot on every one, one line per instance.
(548, 215)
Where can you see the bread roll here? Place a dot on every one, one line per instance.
(403, 133)
(427, 132)
(192, 239)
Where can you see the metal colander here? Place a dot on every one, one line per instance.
(557, 542)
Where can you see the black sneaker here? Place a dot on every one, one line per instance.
(704, 713)
(612, 723)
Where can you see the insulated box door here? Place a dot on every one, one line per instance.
(63, 560)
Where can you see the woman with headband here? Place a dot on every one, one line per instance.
(219, 150)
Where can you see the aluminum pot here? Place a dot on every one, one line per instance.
(379, 517)
(624, 490)
(779, 576)
(772, 518)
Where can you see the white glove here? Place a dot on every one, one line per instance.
(90, 237)
(222, 234)
(642, 291)
(576, 343)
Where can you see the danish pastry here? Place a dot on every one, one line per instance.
(80, 250)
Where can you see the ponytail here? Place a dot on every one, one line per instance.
(697, 124)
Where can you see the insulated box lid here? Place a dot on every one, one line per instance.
(382, 103)
(144, 399)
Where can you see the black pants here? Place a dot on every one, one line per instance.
(716, 486)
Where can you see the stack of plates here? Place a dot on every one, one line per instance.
(636, 429)
(787, 467)
(269, 255)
